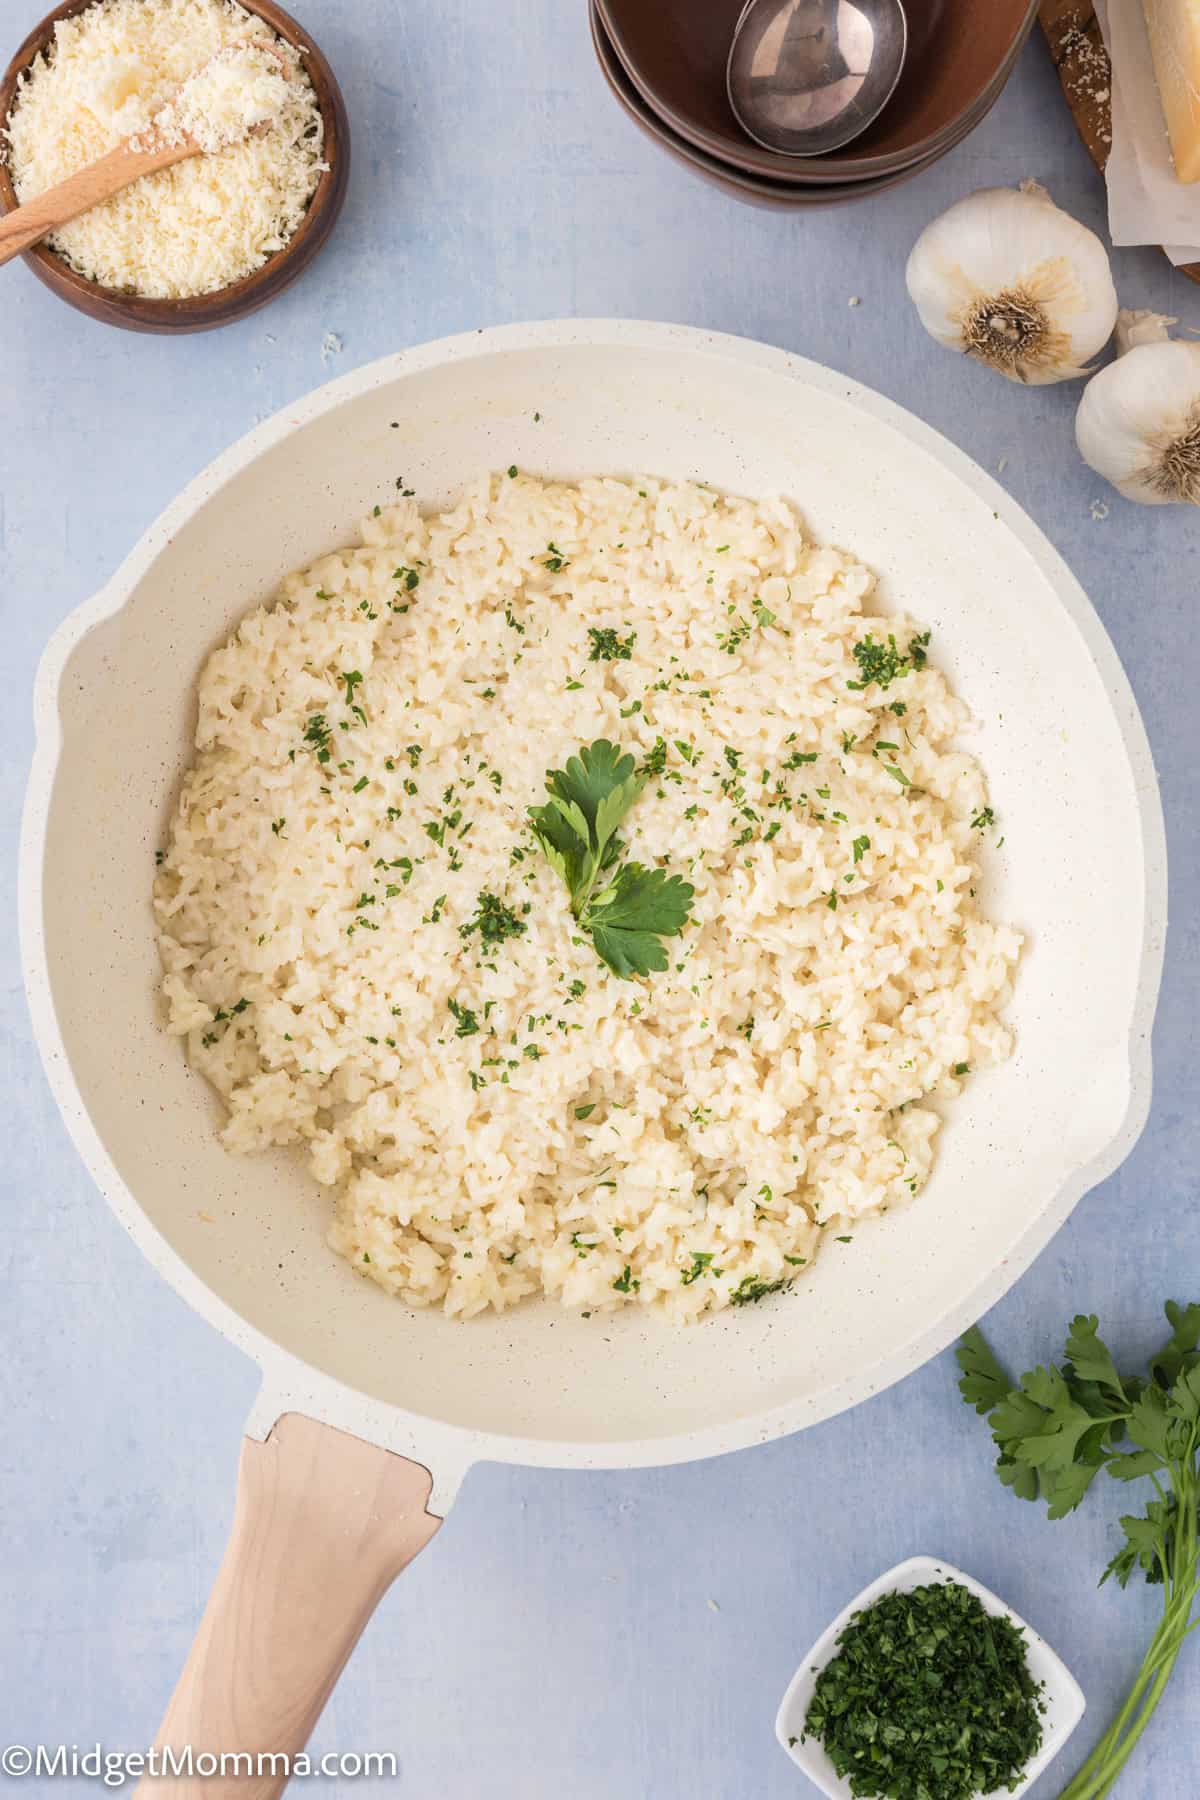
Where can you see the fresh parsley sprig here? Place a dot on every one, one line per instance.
(1058, 1429)
(628, 914)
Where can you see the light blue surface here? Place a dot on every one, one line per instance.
(566, 1635)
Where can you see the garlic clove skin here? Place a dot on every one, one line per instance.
(1140, 326)
(1138, 423)
(1008, 277)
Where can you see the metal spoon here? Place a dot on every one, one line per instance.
(806, 76)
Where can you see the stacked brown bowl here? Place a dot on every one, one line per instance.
(665, 62)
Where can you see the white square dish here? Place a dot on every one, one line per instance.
(1063, 1695)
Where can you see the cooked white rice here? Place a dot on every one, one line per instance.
(686, 1139)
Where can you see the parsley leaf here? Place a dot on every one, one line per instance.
(631, 916)
(984, 1383)
(1180, 1354)
(577, 830)
(588, 800)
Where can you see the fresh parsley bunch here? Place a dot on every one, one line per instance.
(627, 911)
(1058, 1429)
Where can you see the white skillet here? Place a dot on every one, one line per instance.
(366, 1406)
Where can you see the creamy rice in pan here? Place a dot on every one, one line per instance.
(496, 1113)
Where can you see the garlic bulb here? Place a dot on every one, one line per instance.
(1138, 422)
(1008, 277)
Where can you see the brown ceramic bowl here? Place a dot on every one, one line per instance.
(199, 312)
(755, 190)
(960, 54)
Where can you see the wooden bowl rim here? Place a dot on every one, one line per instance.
(843, 166)
(188, 312)
(795, 193)
(752, 190)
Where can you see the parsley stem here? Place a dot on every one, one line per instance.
(1110, 1756)
(1099, 1773)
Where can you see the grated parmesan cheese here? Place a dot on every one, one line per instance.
(237, 92)
(209, 221)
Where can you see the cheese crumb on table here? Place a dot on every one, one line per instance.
(209, 221)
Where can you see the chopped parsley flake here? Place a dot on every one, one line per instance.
(317, 733)
(608, 645)
(885, 663)
(655, 760)
(751, 1288)
(467, 1021)
(701, 1260)
(494, 921)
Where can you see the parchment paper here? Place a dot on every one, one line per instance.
(1147, 204)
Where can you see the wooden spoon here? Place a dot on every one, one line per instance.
(144, 152)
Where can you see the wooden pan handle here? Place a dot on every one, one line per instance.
(323, 1525)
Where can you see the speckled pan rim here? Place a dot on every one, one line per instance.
(291, 1384)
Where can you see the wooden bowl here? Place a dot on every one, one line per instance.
(960, 54)
(199, 312)
(755, 190)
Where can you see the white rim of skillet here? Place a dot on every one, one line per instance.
(291, 1384)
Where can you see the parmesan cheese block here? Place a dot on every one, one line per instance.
(1174, 27)
(207, 222)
